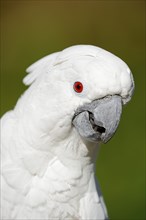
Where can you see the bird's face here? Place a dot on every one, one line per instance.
(82, 89)
(94, 90)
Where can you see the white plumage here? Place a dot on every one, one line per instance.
(47, 167)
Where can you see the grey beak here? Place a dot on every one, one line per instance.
(98, 121)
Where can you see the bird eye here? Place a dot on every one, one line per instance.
(78, 87)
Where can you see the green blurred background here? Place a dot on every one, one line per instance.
(33, 29)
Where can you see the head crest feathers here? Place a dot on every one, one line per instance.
(74, 52)
(37, 68)
(40, 66)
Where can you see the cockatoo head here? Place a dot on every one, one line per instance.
(81, 88)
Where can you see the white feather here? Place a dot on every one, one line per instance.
(38, 68)
(47, 169)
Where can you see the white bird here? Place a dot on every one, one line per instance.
(50, 138)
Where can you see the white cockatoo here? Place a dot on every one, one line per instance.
(49, 140)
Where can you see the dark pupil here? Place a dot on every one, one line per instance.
(78, 86)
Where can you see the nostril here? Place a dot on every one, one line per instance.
(91, 118)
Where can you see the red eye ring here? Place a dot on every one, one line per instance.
(78, 87)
